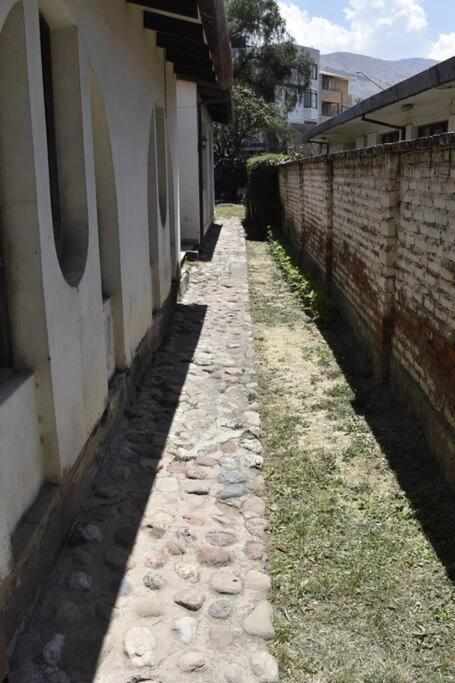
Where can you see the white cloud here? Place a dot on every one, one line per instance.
(443, 47)
(371, 24)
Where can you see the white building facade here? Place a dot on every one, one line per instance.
(91, 199)
(309, 109)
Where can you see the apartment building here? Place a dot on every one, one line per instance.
(334, 94)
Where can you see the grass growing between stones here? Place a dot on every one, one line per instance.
(361, 525)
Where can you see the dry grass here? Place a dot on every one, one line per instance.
(361, 522)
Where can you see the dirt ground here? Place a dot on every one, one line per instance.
(361, 533)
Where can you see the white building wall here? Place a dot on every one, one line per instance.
(59, 330)
(301, 114)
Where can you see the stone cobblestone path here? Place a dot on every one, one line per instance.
(162, 579)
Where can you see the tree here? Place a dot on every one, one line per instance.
(252, 115)
(265, 55)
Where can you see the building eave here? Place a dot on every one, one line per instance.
(434, 77)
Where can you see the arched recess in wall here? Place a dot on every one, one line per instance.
(153, 219)
(17, 178)
(172, 216)
(65, 142)
(108, 227)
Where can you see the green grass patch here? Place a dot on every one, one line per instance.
(312, 297)
(226, 211)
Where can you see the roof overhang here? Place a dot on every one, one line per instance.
(195, 38)
(431, 94)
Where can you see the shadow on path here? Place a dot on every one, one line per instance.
(80, 601)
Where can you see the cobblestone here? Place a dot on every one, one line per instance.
(176, 499)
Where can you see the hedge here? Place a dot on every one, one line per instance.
(263, 192)
(230, 179)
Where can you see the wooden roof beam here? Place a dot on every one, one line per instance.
(185, 8)
(161, 23)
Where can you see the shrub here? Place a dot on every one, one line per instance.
(263, 192)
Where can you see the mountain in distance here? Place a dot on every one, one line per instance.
(384, 72)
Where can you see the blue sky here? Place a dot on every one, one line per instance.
(390, 29)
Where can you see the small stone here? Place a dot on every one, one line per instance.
(167, 485)
(220, 609)
(192, 661)
(259, 622)
(126, 536)
(190, 599)
(225, 581)
(232, 491)
(258, 581)
(158, 523)
(234, 674)
(120, 473)
(79, 581)
(197, 488)
(155, 582)
(254, 550)
(53, 650)
(155, 559)
(187, 571)
(186, 535)
(175, 547)
(254, 504)
(213, 557)
(116, 558)
(232, 477)
(253, 460)
(205, 461)
(150, 607)
(186, 627)
(176, 468)
(220, 635)
(194, 472)
(220, 538)
(265, 667)
(91, 532)
(227, 462)
(67, 613)
(251, 443)
(139, 645)
(257, 527)
(193, 520)
(107, 491)
(81, 556)
(125, 588)
(226, 510)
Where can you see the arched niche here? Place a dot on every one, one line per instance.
(172, 215)
(154, 219)
(65, 141)
(107, 210)
(161, 160)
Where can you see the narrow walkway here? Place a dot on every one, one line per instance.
(162, 579)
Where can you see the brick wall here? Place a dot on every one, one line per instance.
(380, 225)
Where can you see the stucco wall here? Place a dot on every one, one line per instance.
(62, 337)
(380, 225)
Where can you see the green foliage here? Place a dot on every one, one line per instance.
(265, 55)
(263, 193)
(230, 177)
(252, 114)
(314, 299)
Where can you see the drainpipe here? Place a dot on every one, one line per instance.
(201, 187)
